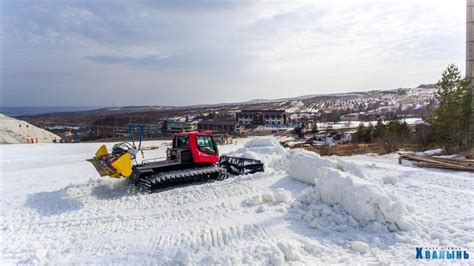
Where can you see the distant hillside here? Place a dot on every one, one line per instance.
(402, 98)
(363, 106)
(379, 101)
(14, 131)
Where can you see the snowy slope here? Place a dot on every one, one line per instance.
(372, 101)
(55, 209)
(17, 131)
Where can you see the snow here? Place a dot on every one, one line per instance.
(290, 250)
(355, 124)
(280, 195)
(387, 179)
(360, 247)
(304, 166)
(365, 201)
(304, 209)
(430, 152)
(266, 149)
(17, 131)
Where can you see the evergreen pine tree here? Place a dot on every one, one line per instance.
(449, 123)
(379, 129)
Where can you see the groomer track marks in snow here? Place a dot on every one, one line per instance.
(212, 237)
(196, 203)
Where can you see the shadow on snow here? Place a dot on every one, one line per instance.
(52, 203)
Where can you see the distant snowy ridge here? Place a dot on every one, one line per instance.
(401, 98)
(14, 131)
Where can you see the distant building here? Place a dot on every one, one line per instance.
(219, 126)
(175, 126)
(298, 116)
(350, 117)
(309, 125)
(150, 129)
(263, 117)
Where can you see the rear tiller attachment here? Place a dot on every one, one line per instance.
(240, 166)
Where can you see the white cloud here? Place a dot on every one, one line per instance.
(163, 49)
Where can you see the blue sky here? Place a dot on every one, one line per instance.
(145, 52)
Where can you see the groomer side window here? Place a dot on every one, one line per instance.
(180, 142)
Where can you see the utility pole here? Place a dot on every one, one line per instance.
(469, 71)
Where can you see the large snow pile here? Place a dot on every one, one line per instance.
(13, 131)
(304, 166)
(266, 149)
(337, 183)
(344, 184)
(366, 202)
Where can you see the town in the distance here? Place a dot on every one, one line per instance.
(316, 120)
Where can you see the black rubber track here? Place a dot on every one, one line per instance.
(159, 181)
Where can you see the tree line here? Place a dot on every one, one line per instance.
(390, 134)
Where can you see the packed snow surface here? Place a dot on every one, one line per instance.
(14, 131)
(304, 209)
